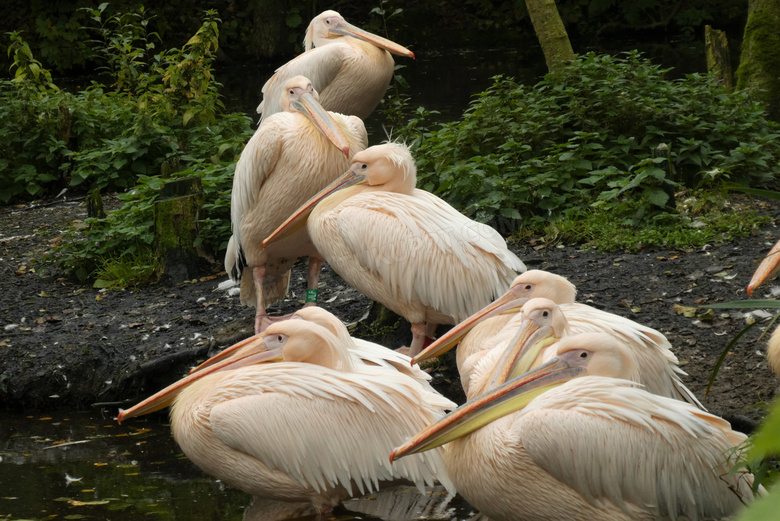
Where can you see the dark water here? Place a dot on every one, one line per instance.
(444, 82)
(83, 465)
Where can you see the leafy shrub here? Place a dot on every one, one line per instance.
(156, 110)
(536, 153)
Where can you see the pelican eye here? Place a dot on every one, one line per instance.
(529, 287)
(292, 92)
(584, 355)
(363, 166)
(279, 338)
(546, 314)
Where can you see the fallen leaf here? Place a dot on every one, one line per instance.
(686, 311)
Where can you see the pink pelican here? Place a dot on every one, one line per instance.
(402, 246)
(366, 354)
(290, 157)
(305, 429)
(548, 445)
(524, 310)
(349, 67)
(769, 268)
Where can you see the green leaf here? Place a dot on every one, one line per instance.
(763, 509)
(746, 304)
(657, 197)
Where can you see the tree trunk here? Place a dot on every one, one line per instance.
(269, 29)
(716, 46)
(759, 67)
(176, 229)
(551, 33)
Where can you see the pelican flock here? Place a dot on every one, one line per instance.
(572, 413)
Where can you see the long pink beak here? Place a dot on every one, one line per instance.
(505, 304)
(768, 268)
(257, 354)
(248, 343)
(347, 29)
(310, 107)
(298, 218)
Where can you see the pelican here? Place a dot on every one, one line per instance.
(366, 354)
(487, 328)
(524, 307)
(574, 439)
(349, 67)
(769, 268)
(305, 429)
(290, 157)
(544, 322)
(402, 246)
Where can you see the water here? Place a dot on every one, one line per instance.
(83, 465)
(444, 82)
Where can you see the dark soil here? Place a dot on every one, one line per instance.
(66, 345)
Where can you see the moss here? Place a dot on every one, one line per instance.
(760, 61)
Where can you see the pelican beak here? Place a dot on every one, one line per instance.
(522, 352)
(347, 29)
(229, 352)
(311, 108)
(254, 353)
(505, 304)
(768, 268)
(510, 397)
(299, 216)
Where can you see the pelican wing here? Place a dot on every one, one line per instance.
(425, 249)
(257, 161)
(320, 65)
(655, 362)
(382, 356)
(326, 428)
(592, 433)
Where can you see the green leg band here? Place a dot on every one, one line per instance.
(311, 295)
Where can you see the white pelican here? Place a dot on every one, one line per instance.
(290, 157)
(307, 428)
(659, 365)
(366, 354)
(487, 328)
(349, 67)
(404, 247)
(592, 448)
(544, 322)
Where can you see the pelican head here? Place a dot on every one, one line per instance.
(388, 167)
(528, 285)
(286, 341)
(298, 95)
(329, 26)
(595, 354)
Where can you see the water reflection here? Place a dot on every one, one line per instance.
(82, 465)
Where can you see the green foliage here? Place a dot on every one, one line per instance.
(160, 112)
(584, 140)
(607, 229)
(102, 247)
(160, 107)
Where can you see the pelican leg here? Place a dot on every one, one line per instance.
(312, 277)
(262, 320)
(418, 338)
